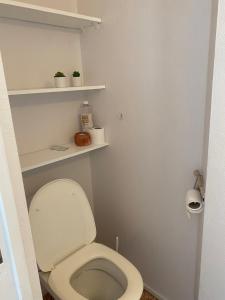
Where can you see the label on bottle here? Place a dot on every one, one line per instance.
(86, 121)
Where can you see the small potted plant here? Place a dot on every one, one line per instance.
(61, 81)
(76, 79)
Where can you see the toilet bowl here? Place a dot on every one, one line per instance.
(71, 263)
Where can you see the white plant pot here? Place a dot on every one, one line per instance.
(76, 81)
(61, 82)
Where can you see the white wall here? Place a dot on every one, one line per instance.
(78, 169)
(213, 250)
(32, 53)
(153, 57)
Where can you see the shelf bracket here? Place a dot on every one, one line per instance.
(83, 29)
(97, 26)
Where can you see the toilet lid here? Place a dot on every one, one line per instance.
(61, 222)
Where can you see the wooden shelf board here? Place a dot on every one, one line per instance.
(44, 15)
(34, 160)
(55, 90)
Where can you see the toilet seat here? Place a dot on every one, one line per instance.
(64, 231)
(59, 279)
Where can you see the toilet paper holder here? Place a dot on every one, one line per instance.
(195, 198)
(199, 183)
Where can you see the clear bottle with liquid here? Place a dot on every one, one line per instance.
(86, 119)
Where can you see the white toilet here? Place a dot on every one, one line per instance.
(72, 265)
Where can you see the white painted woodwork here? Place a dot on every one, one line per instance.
(213, 246)
(55, 90)
(44, 15)
(45, 157)
(7, 285)
(14, 213)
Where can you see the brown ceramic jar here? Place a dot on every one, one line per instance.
(82, 139)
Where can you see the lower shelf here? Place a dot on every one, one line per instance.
(45, 157)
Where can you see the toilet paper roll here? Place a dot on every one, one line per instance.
(97, 135)
(194, 203)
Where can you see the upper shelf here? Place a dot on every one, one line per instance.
(55, 90)
(44, 15)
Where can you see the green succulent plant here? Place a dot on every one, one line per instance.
(76, 74)
(59, 74)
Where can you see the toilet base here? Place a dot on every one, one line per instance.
(44, 283)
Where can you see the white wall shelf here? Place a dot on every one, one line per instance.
(45, 157)
(55, 90)
(44, 15)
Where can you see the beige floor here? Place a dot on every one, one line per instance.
(145, 296)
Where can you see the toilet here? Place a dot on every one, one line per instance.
(71, 264)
